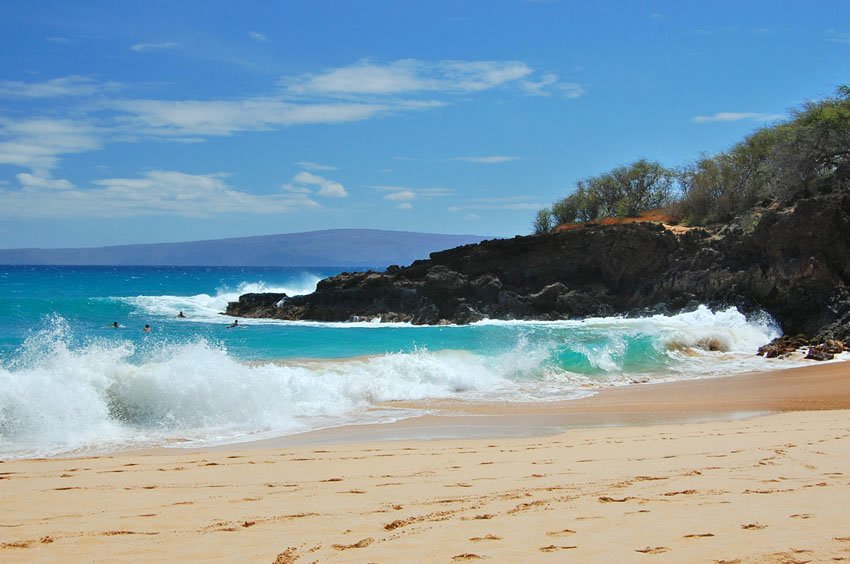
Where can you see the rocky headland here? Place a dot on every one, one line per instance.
(792, 262)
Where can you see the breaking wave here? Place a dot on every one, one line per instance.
(61, 397)
(208, 307)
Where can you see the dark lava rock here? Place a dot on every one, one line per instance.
(815, 354)
(250, 305)
(793, 263)
(783, 345)
(826, 350)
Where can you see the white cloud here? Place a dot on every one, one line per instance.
(736, 116)
(494, 159)
(158, 192)
(357, 92)
(411, 76)
(219, 117)
(31, 181)
(549, 84)
(401, 196)
(54, 88)
(838, 37)
(405, 194)
(471, 217)
(539, 86)
(37, 143)
(327, 188)
(143, 47)
(405, 206)
(515, 203)
(315, 166)
(363, 78)
(570, 90)
(257, 36)
(295, 189)
(483, 75)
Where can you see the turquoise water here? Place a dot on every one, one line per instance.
(69, 382)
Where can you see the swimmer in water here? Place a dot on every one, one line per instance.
(234, 324)
(147, 328)
(180, 315)
(114, 325)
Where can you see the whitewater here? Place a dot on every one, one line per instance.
(72, 384)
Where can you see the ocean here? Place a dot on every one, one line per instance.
(72, 384)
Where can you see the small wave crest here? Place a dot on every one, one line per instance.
(208, 307)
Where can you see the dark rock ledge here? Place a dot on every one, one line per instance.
(793, 263)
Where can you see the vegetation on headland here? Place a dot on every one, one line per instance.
(805, 155)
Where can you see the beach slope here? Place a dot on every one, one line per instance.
(769, 488)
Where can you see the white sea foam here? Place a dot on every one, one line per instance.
(208, 308)
(56, 397)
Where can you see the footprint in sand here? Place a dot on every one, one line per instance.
(801, 516)
(683, 492)
(753, 526)
(553, 548)
(485, 538)
(653, 549)
(362, 543)
(288, 556)
(607, 499)
(562, 533)
(698, 535)
(466, 556)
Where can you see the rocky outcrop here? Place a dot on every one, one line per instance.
(793, 263)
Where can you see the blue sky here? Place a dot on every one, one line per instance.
(155, 121)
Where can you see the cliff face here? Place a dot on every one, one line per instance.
(794, 263)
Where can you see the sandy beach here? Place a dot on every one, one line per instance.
(754, 468)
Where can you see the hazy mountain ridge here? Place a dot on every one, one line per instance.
(336, 247)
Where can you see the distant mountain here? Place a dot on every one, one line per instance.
(333, 247)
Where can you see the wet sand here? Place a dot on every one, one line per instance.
(686, 473)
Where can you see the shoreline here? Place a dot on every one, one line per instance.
(658, 485)
(803, 388)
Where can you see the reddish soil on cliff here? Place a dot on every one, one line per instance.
(659, 216)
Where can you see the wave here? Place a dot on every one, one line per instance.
(207, 307)
(60, 397)
(57, 399)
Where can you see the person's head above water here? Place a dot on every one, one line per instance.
(115, 324)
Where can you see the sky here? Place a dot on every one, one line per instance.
(158, 121)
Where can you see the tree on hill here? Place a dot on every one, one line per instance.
(807, 154)
(625, 191)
